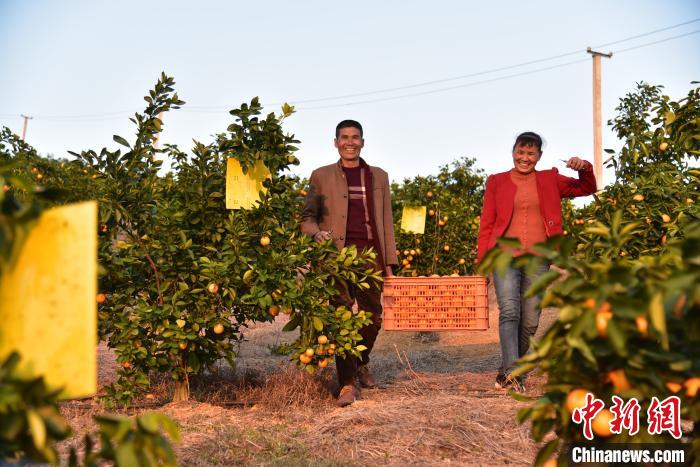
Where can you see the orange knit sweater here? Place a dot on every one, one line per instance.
(526, 223)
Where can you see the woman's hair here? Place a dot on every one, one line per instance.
(528, 138)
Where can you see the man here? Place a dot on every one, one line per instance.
(350, 202)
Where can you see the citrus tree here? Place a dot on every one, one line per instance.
(30, 420)
(453, 202)
(183, 274)
(629, 322)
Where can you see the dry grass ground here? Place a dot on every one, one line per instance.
(436, 405)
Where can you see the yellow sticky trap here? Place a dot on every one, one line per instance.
(413, 219)
(48, 308)
(243, 190)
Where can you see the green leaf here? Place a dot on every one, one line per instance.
(149, 422)
(121, 141)
(546, 452)
(541, 283)
(125, 454)
(318, 324)
(37, 429)
(658, 318)
(617, 338)
(292, 323)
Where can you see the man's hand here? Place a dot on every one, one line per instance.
(322, 236)
(576, 163)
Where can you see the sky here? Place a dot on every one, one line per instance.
(81, 68)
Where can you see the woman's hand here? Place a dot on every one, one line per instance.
(576, 163)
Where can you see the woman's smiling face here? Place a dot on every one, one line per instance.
(525, 158)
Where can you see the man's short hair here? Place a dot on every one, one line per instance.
(348, 124)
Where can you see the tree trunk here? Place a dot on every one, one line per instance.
(182, 390)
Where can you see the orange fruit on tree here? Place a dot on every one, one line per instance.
(274, 310)
(101, 298)
(642, 325)
(323, 363)
(305, 359)
(287, 310)
(441, 223)
(182, 345)
(218, 328)
(444, 218)
(666, 218)
(462, 261)
(331, 351)
(601, 323)
(309, 352)
(618, 378)
(551, 462)
(213, 288)
(265, 240)
(429, 194)
(412, 252)
(638, 197)
(589, 303)
(406, 252)
(663, 146)
(601, 423)
(446, 247)
(673, 386)
(691, 386)
(126, 364)
(322, 340)
(431, 213)
(576, 399)
(405, 262)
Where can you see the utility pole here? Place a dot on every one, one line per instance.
(24, 127)
(597, 124)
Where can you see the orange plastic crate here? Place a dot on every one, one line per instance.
(435, 303)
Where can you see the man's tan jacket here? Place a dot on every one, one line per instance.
(327, 207)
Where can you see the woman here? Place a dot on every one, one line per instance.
(524, 203)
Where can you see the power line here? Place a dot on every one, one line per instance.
(656, 42)
(450, 88)
(216, 109)
(471, 75)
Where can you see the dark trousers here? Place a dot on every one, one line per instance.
(367, 300)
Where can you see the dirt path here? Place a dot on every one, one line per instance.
(436, 405)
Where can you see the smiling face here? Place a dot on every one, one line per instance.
(349, 143)
(525, 158)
